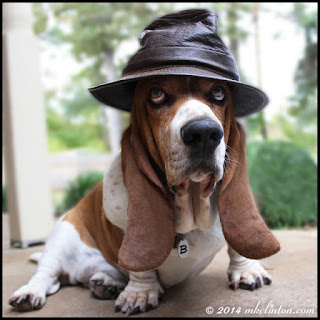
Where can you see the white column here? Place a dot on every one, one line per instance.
(112, 115)
(27, 169)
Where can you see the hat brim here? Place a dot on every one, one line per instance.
(119, 93)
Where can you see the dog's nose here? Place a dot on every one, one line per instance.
(202, 135)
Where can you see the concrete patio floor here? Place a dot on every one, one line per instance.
(293, 292)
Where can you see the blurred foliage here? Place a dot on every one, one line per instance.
(283, 179)
(299, 125)
(66, 134)
(304, 102)
(296, 133)
(77, 189)
(94, 29)
(4, 199)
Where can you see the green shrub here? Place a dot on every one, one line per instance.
(284, 182)
(4, 199)
(77, 189)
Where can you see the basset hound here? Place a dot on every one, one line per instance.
(167, 204)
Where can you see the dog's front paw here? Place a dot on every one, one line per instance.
(249, 276)
(28, 298)
(135, 299)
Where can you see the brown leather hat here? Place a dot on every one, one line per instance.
(184, 43)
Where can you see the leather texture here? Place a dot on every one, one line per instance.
(187, 38)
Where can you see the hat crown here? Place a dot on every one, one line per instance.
(187, 27)
(186, 18)
(188, 37)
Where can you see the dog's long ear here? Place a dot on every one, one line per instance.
(150, 232)
(243, 227)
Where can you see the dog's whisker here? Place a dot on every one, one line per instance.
(229, 162)
(229, 148)
(228, 157)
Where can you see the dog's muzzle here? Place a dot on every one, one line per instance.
(202, 136)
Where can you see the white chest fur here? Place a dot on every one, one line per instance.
(203, 245)
(115, 198)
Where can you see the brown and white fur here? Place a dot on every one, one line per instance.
(75, 251)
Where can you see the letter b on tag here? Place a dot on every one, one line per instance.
(183, 249)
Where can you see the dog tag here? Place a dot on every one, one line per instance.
(183, 248)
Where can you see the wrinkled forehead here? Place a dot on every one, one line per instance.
(179, 84)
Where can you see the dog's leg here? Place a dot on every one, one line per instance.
(141, 294)
(68, 260)
(246, 273)
(32, 296)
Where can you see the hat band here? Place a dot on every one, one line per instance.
(166, 56)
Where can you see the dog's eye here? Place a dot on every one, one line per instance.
(157, 96)
(217, 95)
